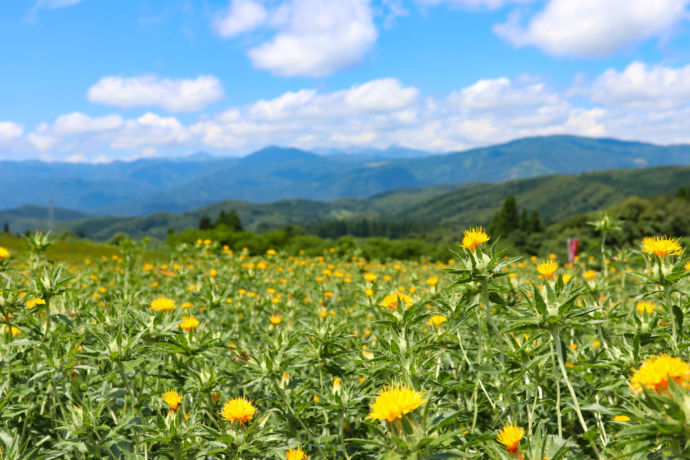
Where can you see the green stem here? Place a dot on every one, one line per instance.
(178, 450)
(669, 309)
(530, 413)
(479, 379)
(558, 391)
(47, 299)
(121, 369)
(288, 406)
(342, 436)
(603, 254)
(576, 404)
(487, 306)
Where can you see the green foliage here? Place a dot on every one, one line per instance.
(507, 220)
(205, 223)
(312, 341)
(231, 220)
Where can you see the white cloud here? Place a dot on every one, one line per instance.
(384, 112)
(473, 4)
(593, 28)
(313, 38)
(640, 86)
(10, 130)
(214, 135)
(150, 130)
(359, 139)
(381, 95)
(76, 158)
(76, 123)
(54, 4)
(499, 93)
(289, 104)
(240, 17)
(649, 103)
(585, 122)
(42, 138)
(174, 95)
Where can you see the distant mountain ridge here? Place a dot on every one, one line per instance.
(275, 173)
(457, 206)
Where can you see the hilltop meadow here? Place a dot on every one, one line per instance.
(208, 352)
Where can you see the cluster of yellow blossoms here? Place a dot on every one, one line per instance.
(656, 371)
(397, 400)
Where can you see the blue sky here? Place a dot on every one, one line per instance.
(97, 80)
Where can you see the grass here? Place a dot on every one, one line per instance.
(73, 252)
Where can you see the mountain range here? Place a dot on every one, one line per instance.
(147, 186)
(456, 206)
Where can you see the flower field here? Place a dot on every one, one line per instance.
(215, 354)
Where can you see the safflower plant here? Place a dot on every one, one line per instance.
(496, 357)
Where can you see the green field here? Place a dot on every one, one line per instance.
(210, 353)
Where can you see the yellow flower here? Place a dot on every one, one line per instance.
(510, 436)
(370, 277)
(645, 307)
(189, 322)
(162, 304)
(4, 253)
(547, 269)
(238, 410)
(474, 237)
(589, 275)
(395, 401)
(296, 454)
(661, 245)
(271, 252)
(173, 399)
(12, 330)
(391, 300)
(566, 277)
(437, 320)
(432, 281)
(31, 303)
(186, 305)
(336, 383)
(596, 344)
(275, 320)
(621, 418)
(655, 372)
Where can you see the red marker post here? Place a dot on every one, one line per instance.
(573, 245)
